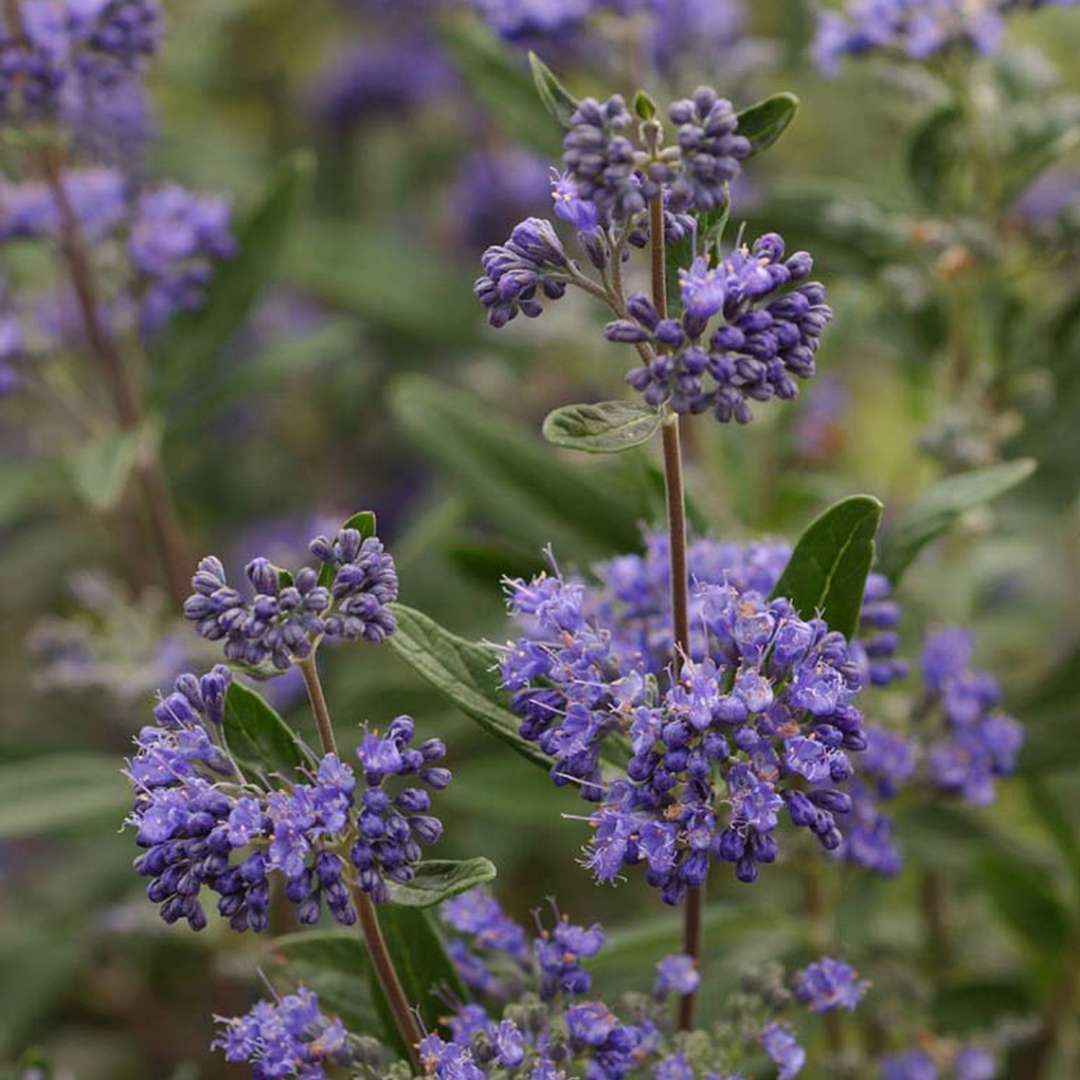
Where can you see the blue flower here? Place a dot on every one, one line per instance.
(781, 1046)
(829, 984)
(676, 974)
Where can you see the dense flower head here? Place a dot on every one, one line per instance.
(176, 237)
(602, 161)
(202, 825)
(917, 29)
(771, 326)
(981, 742)
(516, 20)
(531, 259)
(80, 62)
(710, 150)
(829, 984)
(765, 703)
(288, 614)
(290, 1037)
(492, 955)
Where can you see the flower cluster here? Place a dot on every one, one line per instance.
(981, 742)
(176, 237)
(767, 334)
(966, 1063)
(202, 825)
(918, 29)
(829, 984)
(768, 708)
(288, 614)
(169, 238)
(533, 258)
(545, 1026)
(291, 1037)
(61, 54)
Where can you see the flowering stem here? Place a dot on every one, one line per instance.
(676, 521)
(165, 523)
(404, 1018)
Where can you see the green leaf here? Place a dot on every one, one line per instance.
(60, 793)
(257, 737)
(827, 571)
(608, 427)
(490, 71)
(764, 122)
(464, 672)
(558, 101)
(100, 469)
(365, 524)
(376, 273)
(1024, 898)
(192, 344)
(1051, 813)
(938, 508)
(515, 481)
(934, 153)
(437, 880)
(644, 105)
(487, 563)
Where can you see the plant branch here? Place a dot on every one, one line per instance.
(166, 527)
(694, 903)
(405, 1019)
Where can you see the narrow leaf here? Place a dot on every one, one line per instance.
(515, 481)
(464, 672)
(60, 793)
(764, 122)
(558, 101)
(101, 468)
(365, 524)
(257, 737)
(1024, 898)
(933, 154)
(438, 879)
(644, 105)
(939, 508)
(608, 427)
(827, 571)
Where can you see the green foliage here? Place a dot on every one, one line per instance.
(534, 498)
(464, 672)
(61, 793)
(500, 84)
(262, 743)
(765, 121)
(1025, 899)
(935, 151)
(558, 101)
(437, 880)
(827, 572)
(941, 506)
(100, 469)
(608, 427)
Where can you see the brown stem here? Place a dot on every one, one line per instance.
(404, 1018)
(693, 904)
(166, 527)
(1030, 1060)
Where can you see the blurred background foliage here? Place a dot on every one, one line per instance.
(364, 376)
